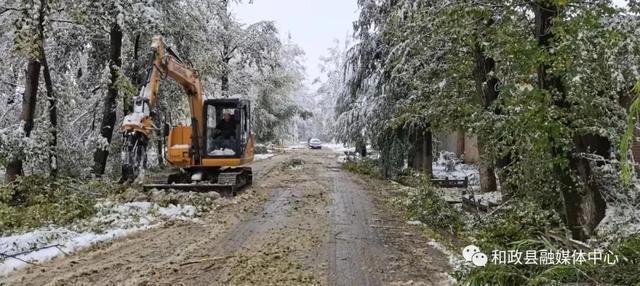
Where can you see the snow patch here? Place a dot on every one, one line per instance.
(488, 199)
(258, 157)
(454, 260)
(298, 146)
(339, 148)
(112, 221)
(619, 221)
(449, 166)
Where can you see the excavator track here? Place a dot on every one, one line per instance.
(227, 182)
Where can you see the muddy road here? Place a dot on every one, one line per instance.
(303, 222)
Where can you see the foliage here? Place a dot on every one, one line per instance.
(628, 137)
(411, 178)
(426, 206)
(625, 272)
(33, 201)
(519, 221)
(256, 63)
(365, 167)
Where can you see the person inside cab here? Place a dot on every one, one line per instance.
(226, 128)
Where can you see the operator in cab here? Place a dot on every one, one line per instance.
(226, 128)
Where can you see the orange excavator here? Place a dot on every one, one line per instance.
(210, 153)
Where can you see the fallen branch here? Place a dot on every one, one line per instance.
(15, 255)
(498, 208)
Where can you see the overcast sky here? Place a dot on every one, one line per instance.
(313, 24)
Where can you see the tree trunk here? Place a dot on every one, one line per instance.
(53, 117)
(583, 202)
(160, 152)
(418, 156)
(460, 143)
(109, 110)
(412, 150)
(427, 152)
(14, 167)
(362, 149)
(226, 50)
(127, 102)
(487, 171)
(422, 157)
(51, 96)
(487, 92)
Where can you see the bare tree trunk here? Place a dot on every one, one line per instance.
(14, 167)
(487, 92)
(160, 152)
(584, 205)
(421, 158)
(411, 154)
(53, 118)
(362, 149)
(109, 110)
(127, 102)
(427, 153)
(51, 96)
(460, 143)
(418, 151)
(487, 172)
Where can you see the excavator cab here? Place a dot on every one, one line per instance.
(226, 140)
(227, 128)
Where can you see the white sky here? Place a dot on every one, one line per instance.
(313, 24)
(620, 2)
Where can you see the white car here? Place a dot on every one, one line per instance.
(315, 144)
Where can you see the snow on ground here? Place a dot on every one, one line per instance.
(300, 145)
(448, 166)
(258, 157)
(112, 221)
(339, 148)
(619, 221)
(454, 260)
(487, 199)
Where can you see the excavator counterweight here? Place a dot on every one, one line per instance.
(210, 153)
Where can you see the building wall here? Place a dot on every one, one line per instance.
(467, 148)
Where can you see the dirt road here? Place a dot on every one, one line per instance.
(304, 222)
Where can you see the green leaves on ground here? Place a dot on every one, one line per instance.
(34, 201)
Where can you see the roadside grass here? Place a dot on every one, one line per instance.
(519, 226)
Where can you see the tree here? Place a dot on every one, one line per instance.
(109, 109)
(29, 41)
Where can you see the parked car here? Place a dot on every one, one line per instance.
(315, 144)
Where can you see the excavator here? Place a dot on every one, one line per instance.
(205, 156)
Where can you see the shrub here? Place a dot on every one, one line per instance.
(33, 201)
(625, 271)
(365, 167)
(426, 206)
(522, 220)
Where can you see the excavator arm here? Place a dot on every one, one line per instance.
(138, 126)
